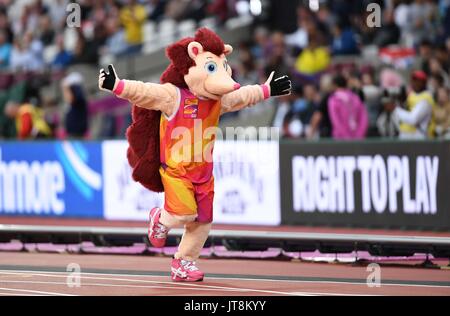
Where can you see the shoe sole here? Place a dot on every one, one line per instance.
(186, 280)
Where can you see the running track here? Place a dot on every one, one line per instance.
(26, 274)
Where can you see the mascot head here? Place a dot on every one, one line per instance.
(200, 64)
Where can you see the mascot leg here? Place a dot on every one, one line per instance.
(190, 205)
(171, 220)
(183, 264)
(194, 238)
(196, 233)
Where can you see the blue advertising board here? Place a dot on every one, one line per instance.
(54, 179)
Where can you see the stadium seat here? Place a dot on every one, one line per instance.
(237, 22)
(186, 28)
(167, 30)
(209, 22)
(150, 33)
(107, 59)
(50, 53)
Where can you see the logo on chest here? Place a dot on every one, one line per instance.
(190, 108)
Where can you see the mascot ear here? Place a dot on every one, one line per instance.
(194, 49)
(228, 50)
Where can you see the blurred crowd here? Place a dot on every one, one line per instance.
(352, 81)
(327, 47)
(29, 27)
(40, 39)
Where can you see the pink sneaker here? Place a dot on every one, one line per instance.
(185, 271)
(157, 232)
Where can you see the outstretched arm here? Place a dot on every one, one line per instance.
(152, 96)
(250, 95)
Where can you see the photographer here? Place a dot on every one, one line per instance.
(386, 124)
(416, 119)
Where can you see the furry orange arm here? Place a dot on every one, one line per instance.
(244, 97)
(152, 96)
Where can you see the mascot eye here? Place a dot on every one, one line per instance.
(211, 67)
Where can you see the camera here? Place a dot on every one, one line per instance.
(396, 95)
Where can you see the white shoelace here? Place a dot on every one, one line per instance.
(189, 265)
(161, 231)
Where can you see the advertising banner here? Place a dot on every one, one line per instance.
(55, 179)
(124, 199)
(367, 184)
(246, 184)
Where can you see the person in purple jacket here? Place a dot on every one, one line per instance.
(348, 115)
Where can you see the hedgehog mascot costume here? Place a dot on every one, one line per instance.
(195, 90)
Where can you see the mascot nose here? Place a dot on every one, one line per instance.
(237, 86)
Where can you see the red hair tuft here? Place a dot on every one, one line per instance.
(180, 62)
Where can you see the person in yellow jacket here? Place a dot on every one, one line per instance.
(313, 59)
(416, 121)
(133, 17)
(30, 122)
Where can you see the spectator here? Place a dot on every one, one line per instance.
(425, 51)
(326, 20)
(416, 121)
(30, 122)
(27, 54)
(133, 16)
(442, 113)
(5, 26)
(86, 51)
(344, 40)
(443, 56)
(435, 82)
(390, 78)
(46, 30)
(423, 16)
(260, 38)
(389, 34)
(349, 118)
(37, 50)
(58, 13)
(156, 9)
(5, 51)
(313, 60)
(276, 60)
(415, 20)
(436, 69)
(116, 43)
(371, 95)
(320, 122)
(63, 58)
(222, 9)
(76, 120)
(297, 120)
(300, 38)
(386, 124)
(446, 21)
(246, 73)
